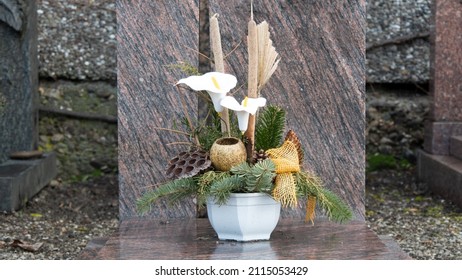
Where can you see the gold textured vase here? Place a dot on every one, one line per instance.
(227, 152)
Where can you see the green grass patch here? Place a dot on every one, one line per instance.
(377, 162)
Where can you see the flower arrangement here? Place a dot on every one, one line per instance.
(258, 157)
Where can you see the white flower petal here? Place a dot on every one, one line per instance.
(231, 103)
(253, 104)
(216, 99)
(211, 81)
(243, 120)
(221, 81)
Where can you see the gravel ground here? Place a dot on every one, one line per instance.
(60, 221)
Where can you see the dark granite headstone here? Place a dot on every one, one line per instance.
(18, 77)
(320, 82)
(20, 179)
(440, 164)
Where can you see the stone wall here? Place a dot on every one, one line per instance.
(406, 22)
(77, 40)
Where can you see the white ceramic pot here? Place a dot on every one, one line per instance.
(245, 216)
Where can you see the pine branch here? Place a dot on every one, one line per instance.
(223, 188)
(257, 178)
(336, 209)
(270, 128)
(241, 169)
(173, 190)
(261, 176)
(205, 182)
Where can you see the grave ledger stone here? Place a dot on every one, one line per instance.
(20, 179)
(440, 164)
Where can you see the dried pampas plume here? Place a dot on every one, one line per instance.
(263, 61)
(267, 56)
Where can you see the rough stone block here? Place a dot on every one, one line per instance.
(438, 134)
(455, 147)
(442, 174)
(20, 180)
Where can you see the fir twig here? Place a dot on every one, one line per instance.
(270, 128)
(258, 177)
(204, 183)
(222, 189)
(173, 190)
(335, 208)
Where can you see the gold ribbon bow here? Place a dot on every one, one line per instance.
(287, 162)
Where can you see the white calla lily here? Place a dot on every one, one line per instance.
(248, 106)
(215, 83)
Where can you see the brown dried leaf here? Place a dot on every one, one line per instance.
(30, 247)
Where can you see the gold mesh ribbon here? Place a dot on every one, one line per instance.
(284, 190)
(310, 207)
(286, 160)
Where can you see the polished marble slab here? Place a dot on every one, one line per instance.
(195, 239)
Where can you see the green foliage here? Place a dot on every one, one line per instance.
(174, 191)
(208, 135)
(245, 178)
(380, 161)
(269, 128)
(205, 182)
(259, 177)
(334, 207)
(222, 189)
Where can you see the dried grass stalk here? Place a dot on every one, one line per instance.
(252, 41)
(215, 41)
(267, 56)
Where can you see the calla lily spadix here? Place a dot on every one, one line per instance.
(248, 106)
(215, 83)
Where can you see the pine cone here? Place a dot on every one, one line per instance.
(291, 136)
(188, 164)
(259, 156)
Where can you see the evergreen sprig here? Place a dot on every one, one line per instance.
(174, 191)
(222, 189)
(335, 208)
(269, 128)
(259, 177)
(204, 184)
